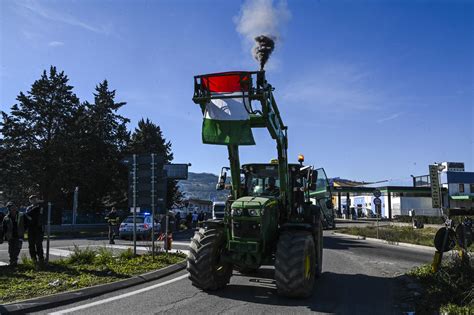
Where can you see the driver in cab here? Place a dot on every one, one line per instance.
(271, 189)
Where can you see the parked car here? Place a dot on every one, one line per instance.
(143, 227)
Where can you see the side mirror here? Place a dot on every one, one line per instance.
(222, 178)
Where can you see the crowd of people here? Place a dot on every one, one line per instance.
(14, 226)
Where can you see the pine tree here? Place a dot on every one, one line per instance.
(32, 148)
(148, 138)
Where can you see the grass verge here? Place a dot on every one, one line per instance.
(449, 291)
(85, 268)
(396, 234)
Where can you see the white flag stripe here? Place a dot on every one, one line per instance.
(228, 108)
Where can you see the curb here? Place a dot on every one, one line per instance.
(55, 300)
(375, 240)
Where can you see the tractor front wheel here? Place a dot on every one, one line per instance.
(206, 269)
(295, 264)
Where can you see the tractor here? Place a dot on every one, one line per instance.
(269, 218)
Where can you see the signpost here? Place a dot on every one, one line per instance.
(435, 187)
(134, 204)
(148, 183)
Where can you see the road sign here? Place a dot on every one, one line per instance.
(435, 191)
(144, 159)
(138, 209)
(377, 201)
(176, 171)
(377, 193)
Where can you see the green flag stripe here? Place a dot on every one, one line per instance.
(227, 132)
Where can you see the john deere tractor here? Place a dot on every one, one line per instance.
(269, 218)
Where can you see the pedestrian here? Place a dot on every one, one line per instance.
(195, 218)
(13, 231)
(112, 220)
(189, 219)
(200, 218)
(34, 226)
(178, 220)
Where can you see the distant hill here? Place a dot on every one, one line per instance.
(202, 186)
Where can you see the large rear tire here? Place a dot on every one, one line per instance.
(295, 264)
(206, 269)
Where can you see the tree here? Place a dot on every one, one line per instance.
(50, 143)
(106, 140)
(148, 138)
(32, 147)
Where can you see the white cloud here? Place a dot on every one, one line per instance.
(391, 117)
(55, 43)
(62, 17)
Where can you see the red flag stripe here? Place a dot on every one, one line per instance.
(226, 82)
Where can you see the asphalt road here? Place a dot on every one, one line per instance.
(359, 277)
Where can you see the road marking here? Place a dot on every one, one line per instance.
(143, 248)
(60, 252)
(118, 297)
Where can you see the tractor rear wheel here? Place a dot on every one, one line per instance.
(206, 269)
(295, 264)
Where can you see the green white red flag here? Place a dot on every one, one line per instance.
(226, 120)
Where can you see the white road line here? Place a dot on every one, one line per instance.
(60, 252)
(118, 297)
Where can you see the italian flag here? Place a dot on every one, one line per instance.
(226, 120)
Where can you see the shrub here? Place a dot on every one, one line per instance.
(420, 218)
(127, 254)
(104, 256)
(82, 256)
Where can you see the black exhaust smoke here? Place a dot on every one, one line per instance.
(264, 47)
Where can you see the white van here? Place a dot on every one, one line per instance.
(218, 209)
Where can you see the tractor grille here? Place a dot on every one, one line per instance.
(246, 229)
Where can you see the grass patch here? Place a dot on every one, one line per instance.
(449, 291)
(85, 268)
(396, 234)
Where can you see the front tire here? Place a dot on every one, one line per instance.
(206, 269)
(295, 264)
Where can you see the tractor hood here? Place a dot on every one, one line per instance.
(249, 202)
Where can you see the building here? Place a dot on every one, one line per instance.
(395, 201)
(459, 184)
(191, 205)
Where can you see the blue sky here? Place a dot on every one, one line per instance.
(370, 90)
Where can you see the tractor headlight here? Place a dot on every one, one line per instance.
(253, 212)
(237, 212)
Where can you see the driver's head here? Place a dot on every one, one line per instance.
(271, 182)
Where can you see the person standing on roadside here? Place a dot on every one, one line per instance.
(113, 220)
(195, 219)
(13, 231)
(34, 226)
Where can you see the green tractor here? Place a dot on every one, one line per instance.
(269, 217)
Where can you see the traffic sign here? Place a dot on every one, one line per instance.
(435, 188)
(377, 201)
(377, 193)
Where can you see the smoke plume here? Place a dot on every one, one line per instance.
(264, 46)
(260, 22)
